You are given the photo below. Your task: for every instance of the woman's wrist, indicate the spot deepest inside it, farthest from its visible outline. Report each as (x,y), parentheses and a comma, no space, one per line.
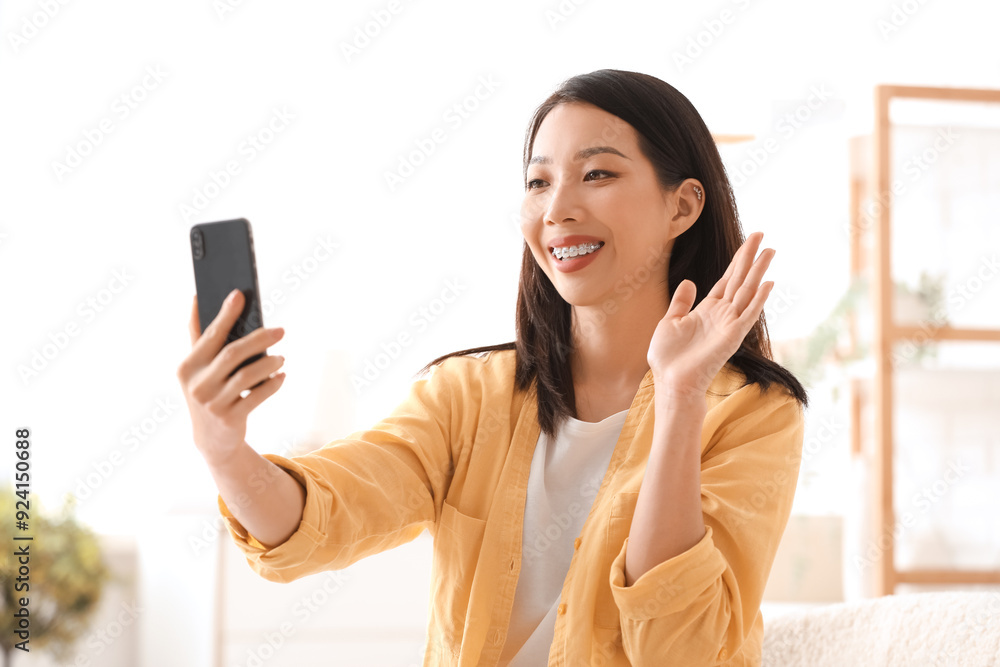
(670,391)
(221,461)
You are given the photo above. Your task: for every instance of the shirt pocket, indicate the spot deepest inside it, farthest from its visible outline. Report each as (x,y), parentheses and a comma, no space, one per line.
(457,544)
(619,522)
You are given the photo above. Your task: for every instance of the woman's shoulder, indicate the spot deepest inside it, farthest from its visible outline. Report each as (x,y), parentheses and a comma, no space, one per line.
(495,368)
(731,388)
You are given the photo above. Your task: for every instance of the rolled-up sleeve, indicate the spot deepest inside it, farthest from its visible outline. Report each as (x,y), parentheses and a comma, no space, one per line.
(371,491)
(700,607)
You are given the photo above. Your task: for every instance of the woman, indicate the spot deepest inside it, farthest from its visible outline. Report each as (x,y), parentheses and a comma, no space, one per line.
(608,489)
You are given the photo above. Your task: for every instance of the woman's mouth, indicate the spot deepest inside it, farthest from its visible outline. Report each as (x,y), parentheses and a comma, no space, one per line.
(575,257)
(567,253)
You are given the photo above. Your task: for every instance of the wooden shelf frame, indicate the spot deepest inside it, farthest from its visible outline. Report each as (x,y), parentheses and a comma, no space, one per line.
(887,333)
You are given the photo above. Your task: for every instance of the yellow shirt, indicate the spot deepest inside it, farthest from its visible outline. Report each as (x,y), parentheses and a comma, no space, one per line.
(454,458)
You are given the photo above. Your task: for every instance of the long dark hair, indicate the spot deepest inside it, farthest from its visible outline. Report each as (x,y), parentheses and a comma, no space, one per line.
(673,136)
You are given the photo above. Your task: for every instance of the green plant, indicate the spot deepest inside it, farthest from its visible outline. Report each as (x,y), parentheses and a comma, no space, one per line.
(930,290)
(830,344)
(67,574)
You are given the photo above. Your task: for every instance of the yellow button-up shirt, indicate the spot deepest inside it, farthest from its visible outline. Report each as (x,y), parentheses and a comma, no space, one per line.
(454,457)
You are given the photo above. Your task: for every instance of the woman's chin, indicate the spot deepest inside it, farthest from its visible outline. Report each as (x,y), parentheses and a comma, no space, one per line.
(582,298)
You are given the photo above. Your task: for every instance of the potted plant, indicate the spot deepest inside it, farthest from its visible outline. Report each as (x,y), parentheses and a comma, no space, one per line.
(66,576)
(831,344)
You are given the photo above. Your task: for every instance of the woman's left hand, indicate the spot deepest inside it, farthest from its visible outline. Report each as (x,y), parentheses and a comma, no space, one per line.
(689,348)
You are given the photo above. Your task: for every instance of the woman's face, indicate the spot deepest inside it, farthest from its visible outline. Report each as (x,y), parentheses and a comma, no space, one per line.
(592,194)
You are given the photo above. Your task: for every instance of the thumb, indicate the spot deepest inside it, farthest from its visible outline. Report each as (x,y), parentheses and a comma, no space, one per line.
(682,300)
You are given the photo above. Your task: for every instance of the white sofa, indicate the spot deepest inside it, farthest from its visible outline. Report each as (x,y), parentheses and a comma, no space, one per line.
(959,629)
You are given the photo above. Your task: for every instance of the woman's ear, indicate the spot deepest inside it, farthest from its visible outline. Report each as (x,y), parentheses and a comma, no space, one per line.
(689,201)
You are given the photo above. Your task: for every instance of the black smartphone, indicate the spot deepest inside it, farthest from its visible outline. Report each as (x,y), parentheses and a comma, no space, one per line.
(224,260)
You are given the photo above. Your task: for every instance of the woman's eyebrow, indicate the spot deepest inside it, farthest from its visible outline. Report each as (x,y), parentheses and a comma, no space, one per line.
(585,153)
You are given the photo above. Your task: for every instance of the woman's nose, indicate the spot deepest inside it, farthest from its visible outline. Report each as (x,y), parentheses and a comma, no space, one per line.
(562,205)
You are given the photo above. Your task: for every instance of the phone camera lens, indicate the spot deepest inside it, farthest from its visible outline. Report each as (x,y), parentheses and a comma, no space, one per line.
(197,244)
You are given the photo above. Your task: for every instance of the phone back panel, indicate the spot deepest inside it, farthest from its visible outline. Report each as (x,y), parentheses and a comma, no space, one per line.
(226,262)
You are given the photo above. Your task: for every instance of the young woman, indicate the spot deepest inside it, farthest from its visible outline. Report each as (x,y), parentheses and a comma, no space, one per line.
(608,489)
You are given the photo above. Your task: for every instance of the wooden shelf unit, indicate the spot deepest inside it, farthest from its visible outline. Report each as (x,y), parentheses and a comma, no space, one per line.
(871,253)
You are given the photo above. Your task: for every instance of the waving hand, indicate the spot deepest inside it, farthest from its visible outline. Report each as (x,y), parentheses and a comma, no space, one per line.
(688,347)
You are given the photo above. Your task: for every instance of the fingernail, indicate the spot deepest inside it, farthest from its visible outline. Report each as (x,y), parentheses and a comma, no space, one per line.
(232,296)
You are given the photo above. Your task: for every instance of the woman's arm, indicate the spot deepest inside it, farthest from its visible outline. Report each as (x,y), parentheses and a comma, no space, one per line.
(690,576)
(266,500)
(686,352)
(701,605)
(672,480)
(364,493)
(262,496)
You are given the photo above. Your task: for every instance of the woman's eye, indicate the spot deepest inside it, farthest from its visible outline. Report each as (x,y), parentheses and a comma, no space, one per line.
(592,175)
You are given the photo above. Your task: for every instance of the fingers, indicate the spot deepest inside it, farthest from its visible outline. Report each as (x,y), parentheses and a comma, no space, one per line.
(259,395)
(213,359)
(235,353)
(728,284)
(207,346)
(194,324)
(750,284)
(719,289)
(682,300)
(742,261)
(247,377)
(757,304)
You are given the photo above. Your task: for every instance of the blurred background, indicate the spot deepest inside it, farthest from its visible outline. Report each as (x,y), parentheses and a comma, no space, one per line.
(376,150)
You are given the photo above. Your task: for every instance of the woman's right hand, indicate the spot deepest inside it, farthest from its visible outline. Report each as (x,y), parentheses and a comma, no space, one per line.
(218,409)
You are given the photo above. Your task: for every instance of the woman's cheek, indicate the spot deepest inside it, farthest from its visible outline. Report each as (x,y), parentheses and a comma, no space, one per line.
(532,207)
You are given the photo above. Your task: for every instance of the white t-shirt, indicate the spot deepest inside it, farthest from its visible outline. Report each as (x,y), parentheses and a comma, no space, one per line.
(565,476)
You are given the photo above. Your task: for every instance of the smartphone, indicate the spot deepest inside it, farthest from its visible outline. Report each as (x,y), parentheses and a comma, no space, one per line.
(224,260)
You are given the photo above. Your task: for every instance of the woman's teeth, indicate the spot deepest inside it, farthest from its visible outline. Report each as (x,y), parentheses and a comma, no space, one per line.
(569,252)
